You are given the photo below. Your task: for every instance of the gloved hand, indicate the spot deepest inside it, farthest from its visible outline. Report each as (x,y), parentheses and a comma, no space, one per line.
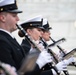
(61,54)
(39,45)
(70,60)
(43,59)
(36,42)
(61,66)
(8,68)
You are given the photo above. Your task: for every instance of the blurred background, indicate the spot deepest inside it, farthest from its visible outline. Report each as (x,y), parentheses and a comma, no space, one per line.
(61,15)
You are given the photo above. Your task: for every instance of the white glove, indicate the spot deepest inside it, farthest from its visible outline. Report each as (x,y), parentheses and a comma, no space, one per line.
(40,46)
(70,60)
(60,55)
(9,69)
(54,72)
(61,66)
(43,59)
(36,42)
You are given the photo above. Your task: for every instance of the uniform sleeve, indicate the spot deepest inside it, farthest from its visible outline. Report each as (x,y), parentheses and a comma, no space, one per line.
(36,71)
(26,45)
(47,72)
(5,53)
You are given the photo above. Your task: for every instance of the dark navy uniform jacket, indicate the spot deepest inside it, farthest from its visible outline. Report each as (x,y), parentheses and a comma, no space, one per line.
(12,53)
(27,46)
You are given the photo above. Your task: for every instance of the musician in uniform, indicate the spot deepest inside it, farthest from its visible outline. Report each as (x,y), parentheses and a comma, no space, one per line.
(46,37)
(10,51)
(33,28)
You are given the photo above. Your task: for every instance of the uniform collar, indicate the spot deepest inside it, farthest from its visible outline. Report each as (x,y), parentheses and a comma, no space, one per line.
(7,32)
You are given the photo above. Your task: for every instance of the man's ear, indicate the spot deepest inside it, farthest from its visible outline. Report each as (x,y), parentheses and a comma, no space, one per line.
(2,18)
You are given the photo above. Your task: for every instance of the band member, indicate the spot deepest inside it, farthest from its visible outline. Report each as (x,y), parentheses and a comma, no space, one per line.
(10,51)
(46,37)
(34,28)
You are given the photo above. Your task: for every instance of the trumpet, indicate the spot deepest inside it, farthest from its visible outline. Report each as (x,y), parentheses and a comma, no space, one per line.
(32,42)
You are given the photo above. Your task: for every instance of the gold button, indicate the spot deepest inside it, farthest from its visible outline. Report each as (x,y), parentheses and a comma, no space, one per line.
(30,24)
(1,9)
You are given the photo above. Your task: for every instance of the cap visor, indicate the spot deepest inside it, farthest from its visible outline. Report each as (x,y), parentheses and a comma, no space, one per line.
(41,28)
(15,11)
(49,28)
